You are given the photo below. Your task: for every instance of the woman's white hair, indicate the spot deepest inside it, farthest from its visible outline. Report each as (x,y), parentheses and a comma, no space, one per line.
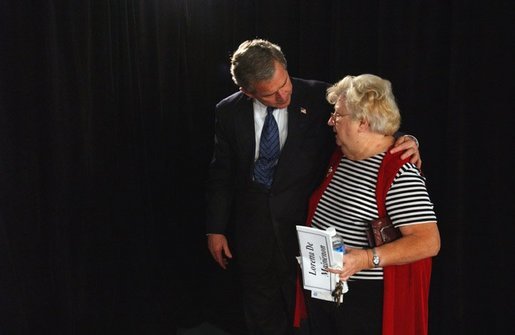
(368,97)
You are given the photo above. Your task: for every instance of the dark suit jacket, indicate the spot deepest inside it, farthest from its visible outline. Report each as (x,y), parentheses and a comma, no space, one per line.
(302,164)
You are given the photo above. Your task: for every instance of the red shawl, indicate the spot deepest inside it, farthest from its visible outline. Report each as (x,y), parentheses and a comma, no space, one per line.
(406,287)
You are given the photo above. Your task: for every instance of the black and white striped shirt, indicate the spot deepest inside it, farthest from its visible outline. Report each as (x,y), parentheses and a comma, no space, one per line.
(349,202)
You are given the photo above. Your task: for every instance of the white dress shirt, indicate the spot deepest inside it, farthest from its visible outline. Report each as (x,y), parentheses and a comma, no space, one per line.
(281,117)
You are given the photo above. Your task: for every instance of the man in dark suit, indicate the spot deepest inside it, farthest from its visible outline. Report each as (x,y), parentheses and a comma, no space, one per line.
(264,214)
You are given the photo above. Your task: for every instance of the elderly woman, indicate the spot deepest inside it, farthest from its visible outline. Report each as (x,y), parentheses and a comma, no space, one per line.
(388,285)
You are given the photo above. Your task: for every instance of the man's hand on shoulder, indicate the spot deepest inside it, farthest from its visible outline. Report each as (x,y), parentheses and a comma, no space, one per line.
(408,144)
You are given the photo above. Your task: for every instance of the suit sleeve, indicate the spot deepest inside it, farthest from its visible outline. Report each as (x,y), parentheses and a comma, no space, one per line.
(220,184)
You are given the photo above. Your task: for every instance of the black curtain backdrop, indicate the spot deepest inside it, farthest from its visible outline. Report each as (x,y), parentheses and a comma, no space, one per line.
(106,131)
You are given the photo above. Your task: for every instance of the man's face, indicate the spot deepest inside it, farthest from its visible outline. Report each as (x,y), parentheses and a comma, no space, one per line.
(275,92)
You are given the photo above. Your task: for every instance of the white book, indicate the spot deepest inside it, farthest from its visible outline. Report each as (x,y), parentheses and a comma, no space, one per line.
(316,255)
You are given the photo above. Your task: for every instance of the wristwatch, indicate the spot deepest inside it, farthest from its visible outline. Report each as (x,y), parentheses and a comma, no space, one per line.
(375,258)
(413,138)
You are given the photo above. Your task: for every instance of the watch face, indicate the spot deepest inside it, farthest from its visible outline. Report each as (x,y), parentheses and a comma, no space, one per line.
(375,260)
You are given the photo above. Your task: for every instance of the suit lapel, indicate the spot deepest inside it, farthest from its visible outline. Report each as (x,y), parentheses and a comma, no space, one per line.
(295,119)
(296,123)
(244,125)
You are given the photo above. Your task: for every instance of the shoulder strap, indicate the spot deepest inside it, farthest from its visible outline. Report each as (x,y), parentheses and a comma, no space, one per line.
(406,287)
(317,194)
(300,306)
(387,171)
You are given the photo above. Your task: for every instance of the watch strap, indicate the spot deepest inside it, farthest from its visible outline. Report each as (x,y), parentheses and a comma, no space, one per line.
(375,258)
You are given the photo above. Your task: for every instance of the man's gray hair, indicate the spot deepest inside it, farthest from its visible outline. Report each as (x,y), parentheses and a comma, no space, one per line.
(254,61)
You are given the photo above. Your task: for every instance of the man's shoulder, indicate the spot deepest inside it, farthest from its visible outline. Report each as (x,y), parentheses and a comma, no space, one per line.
(310,93)
(309,83)
(308,89)
(233,99)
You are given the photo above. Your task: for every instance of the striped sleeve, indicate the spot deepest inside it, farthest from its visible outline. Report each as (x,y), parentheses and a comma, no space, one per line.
(407,201)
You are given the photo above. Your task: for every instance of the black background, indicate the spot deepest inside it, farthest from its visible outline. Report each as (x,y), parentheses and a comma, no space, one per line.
(106,129)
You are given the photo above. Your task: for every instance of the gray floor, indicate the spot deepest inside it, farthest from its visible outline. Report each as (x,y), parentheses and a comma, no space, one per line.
(202,329)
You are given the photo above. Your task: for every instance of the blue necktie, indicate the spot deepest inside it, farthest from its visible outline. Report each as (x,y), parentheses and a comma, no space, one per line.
(269,149)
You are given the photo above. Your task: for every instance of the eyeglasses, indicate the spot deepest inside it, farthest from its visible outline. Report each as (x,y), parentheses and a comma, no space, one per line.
(335,116)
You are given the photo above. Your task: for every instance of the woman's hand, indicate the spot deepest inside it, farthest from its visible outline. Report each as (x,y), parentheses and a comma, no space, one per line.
(354,261)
